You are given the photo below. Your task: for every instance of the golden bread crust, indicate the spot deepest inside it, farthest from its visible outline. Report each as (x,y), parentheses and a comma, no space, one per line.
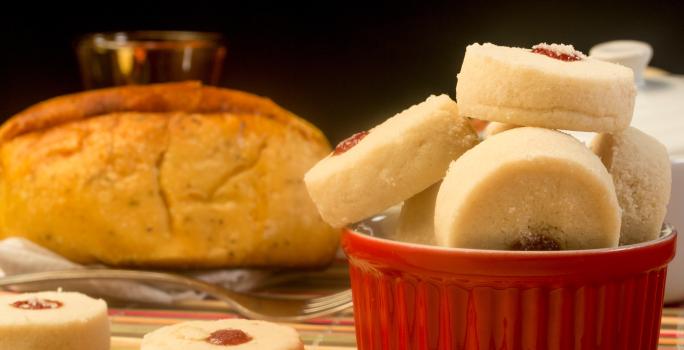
(189,97)
(219,184)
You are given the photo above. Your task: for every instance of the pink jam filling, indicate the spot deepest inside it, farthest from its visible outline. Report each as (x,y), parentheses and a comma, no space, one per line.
(228,337)
(560,52)
(37,304)
(350,142)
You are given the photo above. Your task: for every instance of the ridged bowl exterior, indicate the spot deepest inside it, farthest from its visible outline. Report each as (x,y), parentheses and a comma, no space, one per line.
(420,297)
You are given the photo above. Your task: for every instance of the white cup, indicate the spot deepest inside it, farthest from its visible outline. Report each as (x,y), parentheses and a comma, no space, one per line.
(630,53)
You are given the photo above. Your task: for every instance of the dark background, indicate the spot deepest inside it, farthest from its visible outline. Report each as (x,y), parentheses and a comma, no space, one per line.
(344,67)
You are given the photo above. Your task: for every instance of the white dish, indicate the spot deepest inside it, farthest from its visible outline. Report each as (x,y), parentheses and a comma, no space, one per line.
(674,290)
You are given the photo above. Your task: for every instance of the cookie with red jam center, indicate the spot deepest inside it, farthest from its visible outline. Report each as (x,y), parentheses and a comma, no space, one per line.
(53,320)
(373,170)
(550,85)
(229,334)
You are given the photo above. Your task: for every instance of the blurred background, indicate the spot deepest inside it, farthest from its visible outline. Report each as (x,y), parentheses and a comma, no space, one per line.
(345,66)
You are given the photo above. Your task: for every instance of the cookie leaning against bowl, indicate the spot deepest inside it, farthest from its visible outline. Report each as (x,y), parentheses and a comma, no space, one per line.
(53,320)
(371,171)
(640,168)
(550,86)
(528,189)
(416,224)
(236,334)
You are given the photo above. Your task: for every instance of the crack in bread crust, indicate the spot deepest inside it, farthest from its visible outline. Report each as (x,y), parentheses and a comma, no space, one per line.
(161,192)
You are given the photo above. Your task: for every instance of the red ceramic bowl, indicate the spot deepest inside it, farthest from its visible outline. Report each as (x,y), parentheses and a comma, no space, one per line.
(409,296)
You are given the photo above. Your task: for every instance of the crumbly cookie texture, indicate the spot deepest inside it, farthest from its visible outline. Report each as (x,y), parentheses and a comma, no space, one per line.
(237,334)
(559,50)
(528,189)
(640,168)
(544,89)
(53,320)
(394,161)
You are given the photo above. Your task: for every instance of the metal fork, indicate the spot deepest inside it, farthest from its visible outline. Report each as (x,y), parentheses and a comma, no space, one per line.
(251,306)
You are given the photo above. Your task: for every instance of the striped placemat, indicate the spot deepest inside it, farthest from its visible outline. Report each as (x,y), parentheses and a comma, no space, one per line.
(672,328)
(332,333)
(129,326)
(336,332)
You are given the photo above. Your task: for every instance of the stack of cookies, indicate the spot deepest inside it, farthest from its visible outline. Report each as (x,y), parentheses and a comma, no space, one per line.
(521,184)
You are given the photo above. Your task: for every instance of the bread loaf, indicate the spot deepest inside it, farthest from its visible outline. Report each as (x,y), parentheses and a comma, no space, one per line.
(168,175)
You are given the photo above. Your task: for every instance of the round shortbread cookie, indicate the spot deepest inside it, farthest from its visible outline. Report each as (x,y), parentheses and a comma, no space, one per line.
(395,160)
(235,334)
(642,177)
(53,320)
(528,189)
(416,220)
(517,86)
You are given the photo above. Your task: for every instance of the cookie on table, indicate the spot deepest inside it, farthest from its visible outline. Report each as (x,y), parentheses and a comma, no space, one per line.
(551,86)
(53,320)
(237,334)
(528,189)
(640,167)
(371,171)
